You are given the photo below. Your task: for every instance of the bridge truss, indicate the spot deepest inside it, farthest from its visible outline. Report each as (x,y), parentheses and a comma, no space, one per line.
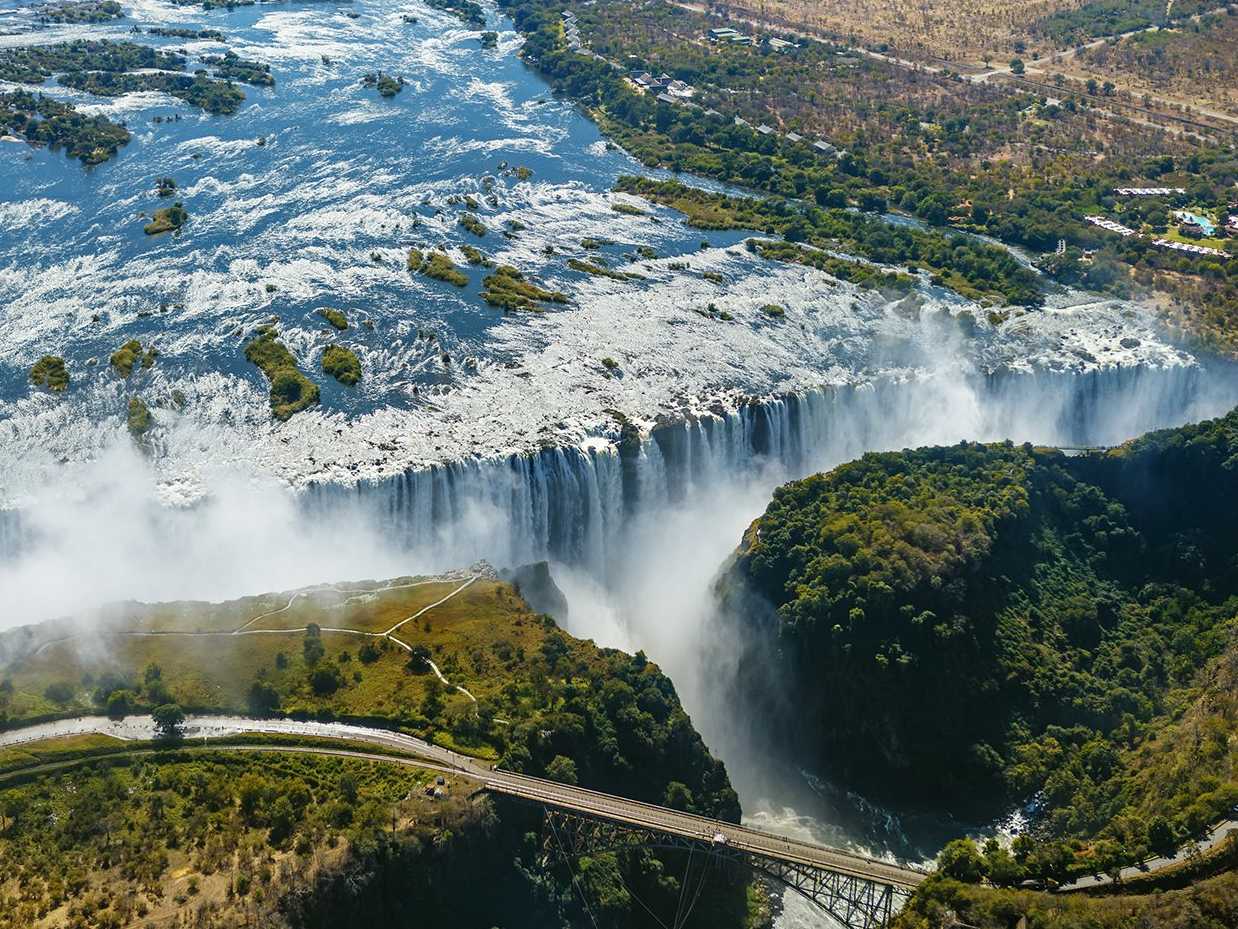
(855,902)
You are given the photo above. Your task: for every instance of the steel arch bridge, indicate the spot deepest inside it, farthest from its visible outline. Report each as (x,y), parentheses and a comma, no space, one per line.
(854,901)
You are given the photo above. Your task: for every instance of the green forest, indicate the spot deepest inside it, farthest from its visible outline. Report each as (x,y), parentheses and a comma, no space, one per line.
(1078,612)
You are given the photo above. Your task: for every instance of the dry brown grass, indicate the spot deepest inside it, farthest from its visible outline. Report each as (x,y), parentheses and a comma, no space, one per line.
(957,30)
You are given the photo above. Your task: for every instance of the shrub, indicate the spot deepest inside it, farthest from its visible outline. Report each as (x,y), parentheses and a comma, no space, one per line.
(50,374)
(342,364)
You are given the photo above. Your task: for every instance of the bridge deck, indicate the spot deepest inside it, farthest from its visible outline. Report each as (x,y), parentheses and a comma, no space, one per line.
(690,826)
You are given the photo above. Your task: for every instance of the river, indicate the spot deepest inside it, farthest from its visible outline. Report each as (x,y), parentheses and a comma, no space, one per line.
(472,433)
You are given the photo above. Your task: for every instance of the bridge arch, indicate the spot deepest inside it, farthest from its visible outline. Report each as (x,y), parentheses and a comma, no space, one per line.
(854,902)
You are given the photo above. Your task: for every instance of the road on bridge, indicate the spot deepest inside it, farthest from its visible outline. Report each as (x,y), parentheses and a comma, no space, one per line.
(537,790)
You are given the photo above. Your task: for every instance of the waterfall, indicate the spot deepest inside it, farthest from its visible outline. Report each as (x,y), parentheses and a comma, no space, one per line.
(572,504)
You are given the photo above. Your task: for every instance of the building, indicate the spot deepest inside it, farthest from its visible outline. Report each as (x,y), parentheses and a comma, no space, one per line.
(794,137)
(1192,230)
(780,45)
(824,147)
(1102,222)
(1148,191)
(721,35)
(765,130)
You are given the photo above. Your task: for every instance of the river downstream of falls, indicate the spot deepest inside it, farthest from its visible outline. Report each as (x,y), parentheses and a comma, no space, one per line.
(474,434)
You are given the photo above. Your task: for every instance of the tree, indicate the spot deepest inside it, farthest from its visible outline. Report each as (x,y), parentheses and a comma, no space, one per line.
(59,692)
(1000,865)
(562,769)
(312,648)
(679,797)
(1162,837)
(962,861)
(419,660)
(168,721)
(325,681)
(119,704)
(263,699)
(283,819)
(1016,66)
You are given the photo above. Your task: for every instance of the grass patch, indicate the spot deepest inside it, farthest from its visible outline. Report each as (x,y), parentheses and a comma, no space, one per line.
(167,219)
(596,270)
(508,288)
(129,355)
(50,374)
(342,364)
(438,266)
(138,420)
(627,209)
(291,391)
(474,225)
(335,317)
(476,256)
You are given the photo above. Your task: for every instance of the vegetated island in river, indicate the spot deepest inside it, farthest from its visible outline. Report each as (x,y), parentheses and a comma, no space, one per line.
(291,390)
(980,625)
(80,11)
(41,120)
(291,840)
(111,69)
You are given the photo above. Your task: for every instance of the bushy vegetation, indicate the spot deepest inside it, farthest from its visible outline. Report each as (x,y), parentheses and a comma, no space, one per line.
(972,267)
(138,420)
(108,69)
(130,354)
(438,266)
(335,317)
(219,97)
(291,391)
(44,121)
(472,13)
(476,256)
(232,67)
(50,374)
(80,11)
(33,64)
(385,84)
(342,364)
(167,219)
(474,225)
(508,288)
(989,623)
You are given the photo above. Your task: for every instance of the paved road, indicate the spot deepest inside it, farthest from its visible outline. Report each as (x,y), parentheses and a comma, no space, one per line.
(1218,834)
(551,793)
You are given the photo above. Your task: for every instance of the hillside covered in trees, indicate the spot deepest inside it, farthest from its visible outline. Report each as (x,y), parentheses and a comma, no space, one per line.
(992,624)
(122,834)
